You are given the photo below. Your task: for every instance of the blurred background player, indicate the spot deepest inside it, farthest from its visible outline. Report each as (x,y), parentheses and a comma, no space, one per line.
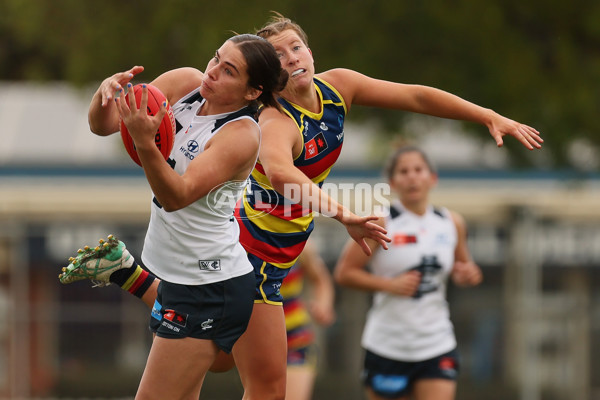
(300,305)
(410,347)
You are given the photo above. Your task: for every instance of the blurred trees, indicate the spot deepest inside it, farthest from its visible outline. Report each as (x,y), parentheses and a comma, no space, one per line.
(535,61)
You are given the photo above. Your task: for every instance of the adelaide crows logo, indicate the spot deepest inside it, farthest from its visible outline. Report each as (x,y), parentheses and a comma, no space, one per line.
(315,146)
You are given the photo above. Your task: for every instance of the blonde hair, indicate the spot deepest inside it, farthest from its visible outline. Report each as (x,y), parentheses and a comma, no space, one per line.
(277,24)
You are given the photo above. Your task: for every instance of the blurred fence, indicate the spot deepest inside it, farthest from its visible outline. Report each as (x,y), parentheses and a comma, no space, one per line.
(529,332)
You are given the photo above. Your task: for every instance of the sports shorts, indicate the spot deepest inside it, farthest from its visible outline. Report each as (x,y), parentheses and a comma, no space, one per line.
(390,378)
(218,311)
(268,281)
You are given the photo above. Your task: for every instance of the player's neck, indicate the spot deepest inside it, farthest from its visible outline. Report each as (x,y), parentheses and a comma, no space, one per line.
(417,207)
(307,99)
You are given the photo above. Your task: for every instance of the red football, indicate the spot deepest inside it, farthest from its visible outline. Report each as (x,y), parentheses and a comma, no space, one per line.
(165,135)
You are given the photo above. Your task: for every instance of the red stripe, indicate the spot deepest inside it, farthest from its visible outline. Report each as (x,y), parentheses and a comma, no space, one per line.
(289,212)
(291,305)
(316,169)
(258,166)
(138,282)
(267,252)
(300,340)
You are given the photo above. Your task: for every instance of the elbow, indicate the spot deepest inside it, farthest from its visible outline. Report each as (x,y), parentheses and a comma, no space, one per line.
(100,130)
(279,182)
(171,205)
(276,178)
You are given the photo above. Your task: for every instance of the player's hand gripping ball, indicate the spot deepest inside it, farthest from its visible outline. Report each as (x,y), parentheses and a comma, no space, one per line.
(165,135)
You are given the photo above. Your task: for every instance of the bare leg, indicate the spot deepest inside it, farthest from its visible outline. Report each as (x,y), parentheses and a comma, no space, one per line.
(169,376)
(434,389)
(261,354)
(300,382)
(372,396)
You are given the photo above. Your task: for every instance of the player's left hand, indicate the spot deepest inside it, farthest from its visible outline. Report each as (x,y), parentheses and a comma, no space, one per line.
(361,228)
(466,274)
(501,126)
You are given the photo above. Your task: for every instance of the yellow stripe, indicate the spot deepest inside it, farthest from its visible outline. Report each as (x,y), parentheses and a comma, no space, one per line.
(343,103)
(285,265)
(127,285)
(262,292)
(270,223)
(300,127)
(261,179)
(291,288)
(296,318)
(320,178)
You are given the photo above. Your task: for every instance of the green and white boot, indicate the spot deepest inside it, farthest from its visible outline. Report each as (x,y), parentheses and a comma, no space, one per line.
(97,264)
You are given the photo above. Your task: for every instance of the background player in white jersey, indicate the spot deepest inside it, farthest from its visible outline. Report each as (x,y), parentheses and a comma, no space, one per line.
(207,287)
(409,342)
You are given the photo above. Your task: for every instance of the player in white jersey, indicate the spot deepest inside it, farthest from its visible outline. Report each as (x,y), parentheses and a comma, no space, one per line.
(409,342)
(206,294)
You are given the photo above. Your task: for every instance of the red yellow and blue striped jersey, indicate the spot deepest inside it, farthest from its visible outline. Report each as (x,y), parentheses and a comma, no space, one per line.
(270,227)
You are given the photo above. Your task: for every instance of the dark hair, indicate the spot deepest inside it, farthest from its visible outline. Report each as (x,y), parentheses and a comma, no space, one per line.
(263,66)
(393,159)
(277,24)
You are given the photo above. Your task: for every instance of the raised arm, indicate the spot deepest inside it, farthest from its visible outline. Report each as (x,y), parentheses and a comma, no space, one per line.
(360,89)
(229,155)
(103,116)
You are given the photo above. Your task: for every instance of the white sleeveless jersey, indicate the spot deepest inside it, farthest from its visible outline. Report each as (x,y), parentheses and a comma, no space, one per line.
(413,328)
(198,244)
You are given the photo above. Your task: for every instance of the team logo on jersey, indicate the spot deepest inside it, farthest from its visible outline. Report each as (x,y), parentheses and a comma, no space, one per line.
(176,317)
(190,149)
(209,265)
(315,146)
(401,239)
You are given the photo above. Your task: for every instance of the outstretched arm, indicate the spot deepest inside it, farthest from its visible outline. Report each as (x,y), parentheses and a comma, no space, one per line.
(281,142)
(360,89)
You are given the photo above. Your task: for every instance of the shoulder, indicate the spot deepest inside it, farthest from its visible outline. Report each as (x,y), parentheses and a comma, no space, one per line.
(272,117)
(345,81)
(458,220)
(176,83)
(240,136)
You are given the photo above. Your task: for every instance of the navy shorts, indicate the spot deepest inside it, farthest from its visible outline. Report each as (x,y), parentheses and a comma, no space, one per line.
(218,311)
(268,281)
(390,378)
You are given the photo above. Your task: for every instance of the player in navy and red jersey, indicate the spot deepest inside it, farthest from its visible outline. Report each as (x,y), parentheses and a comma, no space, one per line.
(272,229)
(285,168)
